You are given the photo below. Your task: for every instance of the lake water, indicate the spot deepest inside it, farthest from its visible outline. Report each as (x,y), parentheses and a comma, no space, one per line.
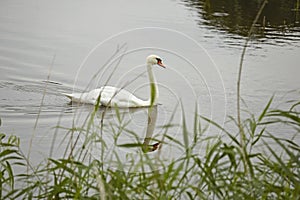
(51,47)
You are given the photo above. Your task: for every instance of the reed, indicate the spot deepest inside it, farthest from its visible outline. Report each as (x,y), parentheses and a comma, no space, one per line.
(213,174)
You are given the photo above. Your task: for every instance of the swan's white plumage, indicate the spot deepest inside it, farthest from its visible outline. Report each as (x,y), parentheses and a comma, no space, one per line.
(109,96)
(112,96)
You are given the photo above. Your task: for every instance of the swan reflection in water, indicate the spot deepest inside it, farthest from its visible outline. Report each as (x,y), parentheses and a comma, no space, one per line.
(149,144)
(152,116)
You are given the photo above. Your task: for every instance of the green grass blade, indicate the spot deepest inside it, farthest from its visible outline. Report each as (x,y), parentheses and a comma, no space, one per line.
(184,129)
(262,115)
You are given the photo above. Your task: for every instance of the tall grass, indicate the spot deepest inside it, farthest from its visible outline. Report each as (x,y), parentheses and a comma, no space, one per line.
(241,129)
(273,163)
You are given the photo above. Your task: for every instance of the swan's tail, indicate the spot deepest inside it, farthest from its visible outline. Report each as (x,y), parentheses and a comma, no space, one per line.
(75,97)
(80,98)
(70,96)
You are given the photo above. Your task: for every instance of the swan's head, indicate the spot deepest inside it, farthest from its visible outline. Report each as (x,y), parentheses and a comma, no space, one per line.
(155,60)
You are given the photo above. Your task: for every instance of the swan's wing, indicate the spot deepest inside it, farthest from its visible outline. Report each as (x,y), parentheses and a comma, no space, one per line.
(112,96)
(109,96)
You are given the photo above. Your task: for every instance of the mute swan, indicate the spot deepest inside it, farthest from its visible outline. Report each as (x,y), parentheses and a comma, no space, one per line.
(112,96)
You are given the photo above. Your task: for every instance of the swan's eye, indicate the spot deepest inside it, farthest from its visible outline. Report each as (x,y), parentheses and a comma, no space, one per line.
(159,60)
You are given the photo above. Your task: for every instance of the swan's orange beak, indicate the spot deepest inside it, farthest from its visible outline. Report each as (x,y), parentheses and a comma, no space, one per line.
(160,64)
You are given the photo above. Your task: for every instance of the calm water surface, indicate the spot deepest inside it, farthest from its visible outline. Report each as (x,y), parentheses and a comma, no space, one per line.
(50,47)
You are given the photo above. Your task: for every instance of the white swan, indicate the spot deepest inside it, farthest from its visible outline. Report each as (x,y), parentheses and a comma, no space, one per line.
(112,96)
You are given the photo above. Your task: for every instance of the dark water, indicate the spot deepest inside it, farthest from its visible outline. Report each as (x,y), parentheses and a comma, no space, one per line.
(50,47)
(279,20)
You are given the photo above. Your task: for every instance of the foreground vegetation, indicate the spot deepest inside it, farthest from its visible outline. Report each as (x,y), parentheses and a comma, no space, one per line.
(271,171)
(258,160)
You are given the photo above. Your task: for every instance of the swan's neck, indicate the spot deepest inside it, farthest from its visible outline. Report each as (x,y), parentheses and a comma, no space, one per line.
(153,86)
